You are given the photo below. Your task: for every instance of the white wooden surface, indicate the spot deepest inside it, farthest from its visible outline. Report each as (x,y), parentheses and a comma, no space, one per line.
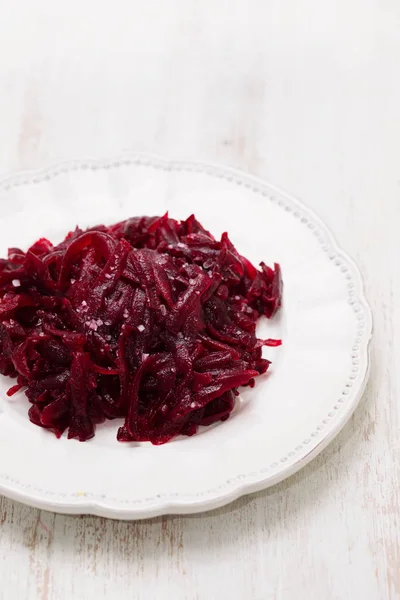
(306,94)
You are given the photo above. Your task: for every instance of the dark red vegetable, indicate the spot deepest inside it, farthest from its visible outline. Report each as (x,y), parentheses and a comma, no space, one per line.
(150,319)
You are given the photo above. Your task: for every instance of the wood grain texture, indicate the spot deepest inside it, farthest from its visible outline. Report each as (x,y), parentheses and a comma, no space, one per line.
(306,95)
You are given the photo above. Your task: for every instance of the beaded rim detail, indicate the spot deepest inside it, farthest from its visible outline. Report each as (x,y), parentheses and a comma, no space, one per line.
(231,489)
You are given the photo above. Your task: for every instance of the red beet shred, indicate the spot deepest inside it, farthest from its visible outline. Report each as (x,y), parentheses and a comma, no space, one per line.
(151,319)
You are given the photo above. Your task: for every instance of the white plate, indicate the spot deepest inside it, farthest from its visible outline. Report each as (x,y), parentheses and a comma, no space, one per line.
(314,385)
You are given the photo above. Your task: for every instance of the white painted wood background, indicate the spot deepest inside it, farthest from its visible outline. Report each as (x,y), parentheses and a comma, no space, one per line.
(305,93)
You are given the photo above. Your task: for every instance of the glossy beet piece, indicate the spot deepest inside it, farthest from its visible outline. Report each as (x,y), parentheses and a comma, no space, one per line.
(150,319)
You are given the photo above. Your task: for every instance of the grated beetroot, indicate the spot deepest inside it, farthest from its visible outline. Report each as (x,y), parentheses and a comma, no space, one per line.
(150,319)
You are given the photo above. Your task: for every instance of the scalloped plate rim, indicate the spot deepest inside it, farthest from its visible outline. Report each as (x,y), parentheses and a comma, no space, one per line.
(253,482)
